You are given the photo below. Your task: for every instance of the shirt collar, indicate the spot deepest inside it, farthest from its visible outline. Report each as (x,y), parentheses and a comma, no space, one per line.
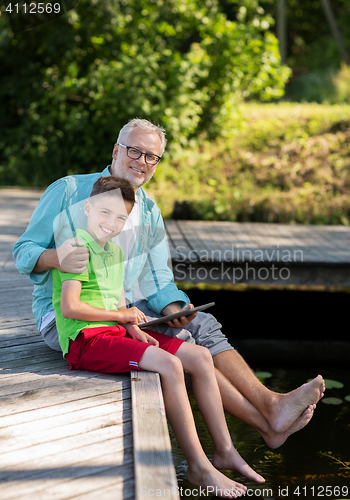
(87,238)
(106,171)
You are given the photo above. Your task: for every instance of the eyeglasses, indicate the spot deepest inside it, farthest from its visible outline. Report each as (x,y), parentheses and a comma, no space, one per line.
(135,154)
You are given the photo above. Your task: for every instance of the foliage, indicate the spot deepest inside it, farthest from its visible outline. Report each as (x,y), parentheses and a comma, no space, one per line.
(313,86)
(310,41)
(69,85)
(324,85)
(287,164)
(342,85)
(312,51)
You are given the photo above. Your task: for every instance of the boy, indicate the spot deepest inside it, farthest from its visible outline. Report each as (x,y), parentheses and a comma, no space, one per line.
(97,332)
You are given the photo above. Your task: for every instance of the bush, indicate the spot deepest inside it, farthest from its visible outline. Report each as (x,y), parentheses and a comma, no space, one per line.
(69,85)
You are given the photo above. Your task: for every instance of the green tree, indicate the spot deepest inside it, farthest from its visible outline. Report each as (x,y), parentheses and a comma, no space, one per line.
(68,85)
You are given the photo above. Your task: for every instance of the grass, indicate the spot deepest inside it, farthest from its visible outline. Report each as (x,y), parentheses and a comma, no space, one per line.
(281,162)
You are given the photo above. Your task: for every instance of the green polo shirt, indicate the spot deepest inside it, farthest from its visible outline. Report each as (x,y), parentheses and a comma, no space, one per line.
(102,284)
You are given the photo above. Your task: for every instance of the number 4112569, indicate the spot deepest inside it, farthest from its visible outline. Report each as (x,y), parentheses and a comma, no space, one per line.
(33,8)
(322,491)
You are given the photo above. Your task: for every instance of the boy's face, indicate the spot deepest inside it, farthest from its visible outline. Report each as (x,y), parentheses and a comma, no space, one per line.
(107,214)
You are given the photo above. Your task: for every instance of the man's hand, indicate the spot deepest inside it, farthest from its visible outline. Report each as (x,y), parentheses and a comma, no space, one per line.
(72,256)
(137,334)
(181,322)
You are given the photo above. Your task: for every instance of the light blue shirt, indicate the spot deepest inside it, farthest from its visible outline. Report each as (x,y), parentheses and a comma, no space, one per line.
(57,216)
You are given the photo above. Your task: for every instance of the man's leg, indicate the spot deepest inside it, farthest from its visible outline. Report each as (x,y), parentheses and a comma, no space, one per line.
(280,410)
(237,405)
(243,395)
(50,335)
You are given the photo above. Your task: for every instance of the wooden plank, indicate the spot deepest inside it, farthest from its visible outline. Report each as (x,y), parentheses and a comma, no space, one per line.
(37,365)
(27,351)
(123,490)
(63,408)
(53,376)
(215,234)
(64,463)
(312,244)
(26,435)
(41,452)
(53,394)
(154,468)
(179,244)
(17,340)
(194,244)
(63,483)
(302,239)
(20,326)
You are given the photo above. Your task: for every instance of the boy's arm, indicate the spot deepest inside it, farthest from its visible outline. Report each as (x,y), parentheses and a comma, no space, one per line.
(137,334)
(122,303)
(73,308)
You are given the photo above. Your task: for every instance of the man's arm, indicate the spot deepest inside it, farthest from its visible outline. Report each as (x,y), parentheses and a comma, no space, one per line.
(46,261)
(39,235)
(35,251)
(175,307)
(71,257)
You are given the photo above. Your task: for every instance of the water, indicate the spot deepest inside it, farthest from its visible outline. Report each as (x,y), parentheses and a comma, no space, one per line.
(308,465)
(308,462)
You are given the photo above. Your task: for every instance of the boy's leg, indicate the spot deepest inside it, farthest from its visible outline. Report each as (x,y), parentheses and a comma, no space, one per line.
(200,471)
(198,361)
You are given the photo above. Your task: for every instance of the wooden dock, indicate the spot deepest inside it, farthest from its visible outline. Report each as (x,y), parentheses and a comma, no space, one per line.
(64,434)
(259,253)
(84,435)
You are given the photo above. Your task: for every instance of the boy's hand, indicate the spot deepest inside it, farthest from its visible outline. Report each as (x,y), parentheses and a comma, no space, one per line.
(72,256)
(137,334)
(132,315)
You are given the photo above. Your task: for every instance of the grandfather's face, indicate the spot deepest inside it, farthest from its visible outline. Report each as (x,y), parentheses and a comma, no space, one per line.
(137,172)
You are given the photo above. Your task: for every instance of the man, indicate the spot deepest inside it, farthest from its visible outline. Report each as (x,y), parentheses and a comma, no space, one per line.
(136,155)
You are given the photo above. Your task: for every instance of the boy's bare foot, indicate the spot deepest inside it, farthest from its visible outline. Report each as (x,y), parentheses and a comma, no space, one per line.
(232,460)
(289,407)
(215,483)
(274,439)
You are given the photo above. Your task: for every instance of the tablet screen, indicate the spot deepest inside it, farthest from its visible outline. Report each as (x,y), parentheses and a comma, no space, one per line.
(170,317)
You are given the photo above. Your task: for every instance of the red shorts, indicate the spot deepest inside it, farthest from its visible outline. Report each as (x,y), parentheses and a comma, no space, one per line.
(109,349)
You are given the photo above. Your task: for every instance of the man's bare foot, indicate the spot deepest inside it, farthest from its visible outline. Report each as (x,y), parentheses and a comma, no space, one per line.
(232,460)
(289,407)
(274,439)
(215,483)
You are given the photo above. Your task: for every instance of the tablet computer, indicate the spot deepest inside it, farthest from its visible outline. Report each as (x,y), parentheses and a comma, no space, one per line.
(170,317)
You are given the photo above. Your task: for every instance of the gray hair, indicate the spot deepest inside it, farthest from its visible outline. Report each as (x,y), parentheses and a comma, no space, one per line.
(144,125)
